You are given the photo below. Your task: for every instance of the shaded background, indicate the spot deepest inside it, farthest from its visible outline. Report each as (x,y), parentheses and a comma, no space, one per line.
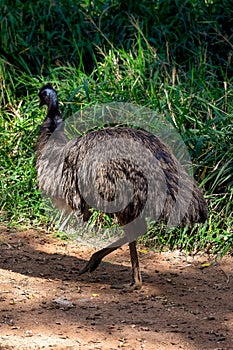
(51,33)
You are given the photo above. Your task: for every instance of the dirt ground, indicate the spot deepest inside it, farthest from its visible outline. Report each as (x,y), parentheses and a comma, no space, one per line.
(185,303)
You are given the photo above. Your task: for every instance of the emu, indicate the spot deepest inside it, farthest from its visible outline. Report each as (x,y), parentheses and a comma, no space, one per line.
(58,164)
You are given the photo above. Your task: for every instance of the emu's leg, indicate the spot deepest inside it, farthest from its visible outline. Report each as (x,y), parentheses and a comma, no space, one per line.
(133,230)
(96,258)
(131,234)
(137,279)
(136,275)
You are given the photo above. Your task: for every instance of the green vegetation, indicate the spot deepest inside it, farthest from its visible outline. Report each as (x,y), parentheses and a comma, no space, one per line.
(174,57)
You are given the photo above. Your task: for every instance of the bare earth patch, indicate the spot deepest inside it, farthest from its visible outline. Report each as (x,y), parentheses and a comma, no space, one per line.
(185,302)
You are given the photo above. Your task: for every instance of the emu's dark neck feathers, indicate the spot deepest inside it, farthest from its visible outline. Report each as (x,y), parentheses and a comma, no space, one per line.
(53,118)
(50,124)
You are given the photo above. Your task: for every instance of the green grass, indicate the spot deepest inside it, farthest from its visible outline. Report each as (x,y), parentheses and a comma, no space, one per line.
(174,57)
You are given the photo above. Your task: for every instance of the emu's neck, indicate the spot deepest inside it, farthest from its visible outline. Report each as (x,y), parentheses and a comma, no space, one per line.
(53,118)
(50,124)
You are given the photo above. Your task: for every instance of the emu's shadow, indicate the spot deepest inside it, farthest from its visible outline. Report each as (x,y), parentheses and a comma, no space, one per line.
(23,257)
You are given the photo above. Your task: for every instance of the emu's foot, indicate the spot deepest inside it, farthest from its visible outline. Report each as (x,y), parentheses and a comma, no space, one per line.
(133,286)
(128,288)
(92,264)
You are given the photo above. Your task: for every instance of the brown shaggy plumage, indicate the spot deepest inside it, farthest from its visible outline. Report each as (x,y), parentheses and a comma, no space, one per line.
(63,175)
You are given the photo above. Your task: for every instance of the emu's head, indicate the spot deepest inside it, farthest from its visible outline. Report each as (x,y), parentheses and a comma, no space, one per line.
(48,96)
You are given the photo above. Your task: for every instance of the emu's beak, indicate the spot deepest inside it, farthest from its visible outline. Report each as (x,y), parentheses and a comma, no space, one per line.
(42,103)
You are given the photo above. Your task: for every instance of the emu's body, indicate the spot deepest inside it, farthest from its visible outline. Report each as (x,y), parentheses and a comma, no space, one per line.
(59,161)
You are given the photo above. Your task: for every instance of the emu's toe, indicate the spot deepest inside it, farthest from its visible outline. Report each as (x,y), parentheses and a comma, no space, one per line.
(92,264)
